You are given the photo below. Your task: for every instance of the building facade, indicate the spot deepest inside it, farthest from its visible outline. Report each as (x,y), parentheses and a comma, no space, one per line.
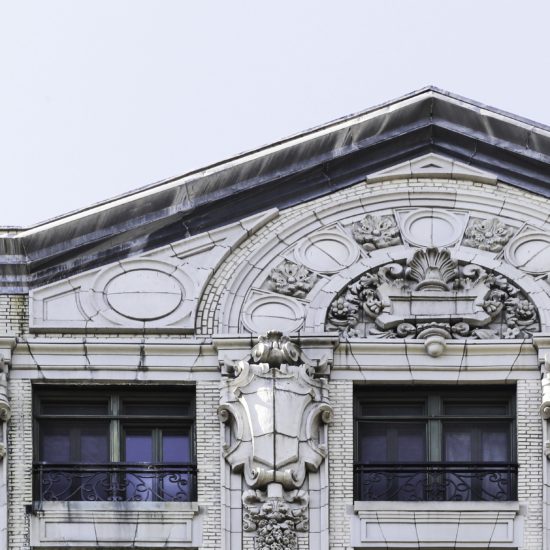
(340,341)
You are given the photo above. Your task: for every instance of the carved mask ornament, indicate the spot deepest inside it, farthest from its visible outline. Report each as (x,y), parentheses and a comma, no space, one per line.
(275,411)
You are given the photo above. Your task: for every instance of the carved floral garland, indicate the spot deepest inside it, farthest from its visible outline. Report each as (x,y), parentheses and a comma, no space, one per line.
(504,312)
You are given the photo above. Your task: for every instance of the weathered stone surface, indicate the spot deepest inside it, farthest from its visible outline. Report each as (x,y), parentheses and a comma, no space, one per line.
(433,295)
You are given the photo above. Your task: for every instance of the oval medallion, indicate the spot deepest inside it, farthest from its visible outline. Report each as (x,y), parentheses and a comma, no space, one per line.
(144,294)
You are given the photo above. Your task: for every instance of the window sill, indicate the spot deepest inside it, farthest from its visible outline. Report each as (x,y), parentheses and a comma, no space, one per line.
(436,506)
(438,525)
(94,524)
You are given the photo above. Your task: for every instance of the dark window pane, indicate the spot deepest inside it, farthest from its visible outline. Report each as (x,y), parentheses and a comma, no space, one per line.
(55,442)
(495,443)
(457,442)
(156,409)
(392,442)
(476,409)
(94,442)
(392,409)
(75,408)
(63,441)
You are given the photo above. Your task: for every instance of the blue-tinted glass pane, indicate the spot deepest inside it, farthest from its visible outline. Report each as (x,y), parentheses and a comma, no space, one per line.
(138,446)
(176,447)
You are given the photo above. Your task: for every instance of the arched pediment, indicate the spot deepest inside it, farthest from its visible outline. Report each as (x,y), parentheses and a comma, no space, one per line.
(293,272)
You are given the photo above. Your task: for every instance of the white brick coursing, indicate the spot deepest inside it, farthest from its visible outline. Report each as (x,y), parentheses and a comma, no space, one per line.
(20,464)
(529,445)
(340,444)
(208,444)
(14,314)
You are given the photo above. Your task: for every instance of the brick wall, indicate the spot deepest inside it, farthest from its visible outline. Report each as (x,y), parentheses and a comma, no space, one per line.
(20,463)
(340,445)
(529,440)
(208,461)
(14,314)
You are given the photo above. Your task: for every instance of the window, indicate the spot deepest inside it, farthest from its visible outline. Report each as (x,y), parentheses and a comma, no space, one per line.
(114,444)
(435,443)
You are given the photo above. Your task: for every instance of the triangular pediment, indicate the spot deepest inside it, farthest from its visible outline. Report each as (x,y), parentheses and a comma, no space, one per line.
(429,133)
(432,165)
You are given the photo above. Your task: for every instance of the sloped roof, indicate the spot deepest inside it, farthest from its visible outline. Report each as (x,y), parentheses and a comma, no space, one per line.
(296,169)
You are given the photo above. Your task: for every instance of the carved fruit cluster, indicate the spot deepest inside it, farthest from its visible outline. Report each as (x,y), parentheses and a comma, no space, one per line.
(275,520)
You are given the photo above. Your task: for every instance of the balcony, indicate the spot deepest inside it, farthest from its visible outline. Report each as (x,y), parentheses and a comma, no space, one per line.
(429,481)
(115,482)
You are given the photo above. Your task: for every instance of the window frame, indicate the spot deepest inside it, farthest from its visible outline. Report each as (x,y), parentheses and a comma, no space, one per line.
(115,396)
(434,398)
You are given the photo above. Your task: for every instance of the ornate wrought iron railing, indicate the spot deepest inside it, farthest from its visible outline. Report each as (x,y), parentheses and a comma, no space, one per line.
(115,482)
(436,481)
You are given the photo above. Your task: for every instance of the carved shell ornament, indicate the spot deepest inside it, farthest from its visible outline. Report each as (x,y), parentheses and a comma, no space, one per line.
(490,235)
(432,295)
(374,232)
(291,279)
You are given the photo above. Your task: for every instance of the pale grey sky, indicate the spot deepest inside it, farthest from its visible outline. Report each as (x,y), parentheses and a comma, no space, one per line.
(101,97)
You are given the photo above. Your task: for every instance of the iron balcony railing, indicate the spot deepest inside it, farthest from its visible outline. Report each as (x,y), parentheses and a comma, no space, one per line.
(115,481)
(436,481)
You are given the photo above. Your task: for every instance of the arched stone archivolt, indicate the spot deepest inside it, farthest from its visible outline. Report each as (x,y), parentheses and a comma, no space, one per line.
(302,259)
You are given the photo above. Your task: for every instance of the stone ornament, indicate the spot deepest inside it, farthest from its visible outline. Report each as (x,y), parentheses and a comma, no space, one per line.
(374,232)
(530,252)
(430,227)
(434,298)
(275,413)
(490,235)
(277,518)
(291,279)
(327,251)
(5,409)
(545,381)
(263,309)
(143,292)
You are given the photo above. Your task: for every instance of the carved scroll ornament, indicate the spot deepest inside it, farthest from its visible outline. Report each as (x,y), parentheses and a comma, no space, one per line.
(275,412)
(431,294)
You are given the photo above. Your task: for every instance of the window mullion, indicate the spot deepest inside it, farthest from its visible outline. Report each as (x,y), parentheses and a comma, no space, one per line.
(115,429)
(434,429)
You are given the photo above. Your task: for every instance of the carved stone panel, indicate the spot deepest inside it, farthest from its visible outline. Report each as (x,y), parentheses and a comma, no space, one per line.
(374,232)
(490,235)
(291,279)
(431,227)
(274,410)
(327,251)
(431,294)
(530,252)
